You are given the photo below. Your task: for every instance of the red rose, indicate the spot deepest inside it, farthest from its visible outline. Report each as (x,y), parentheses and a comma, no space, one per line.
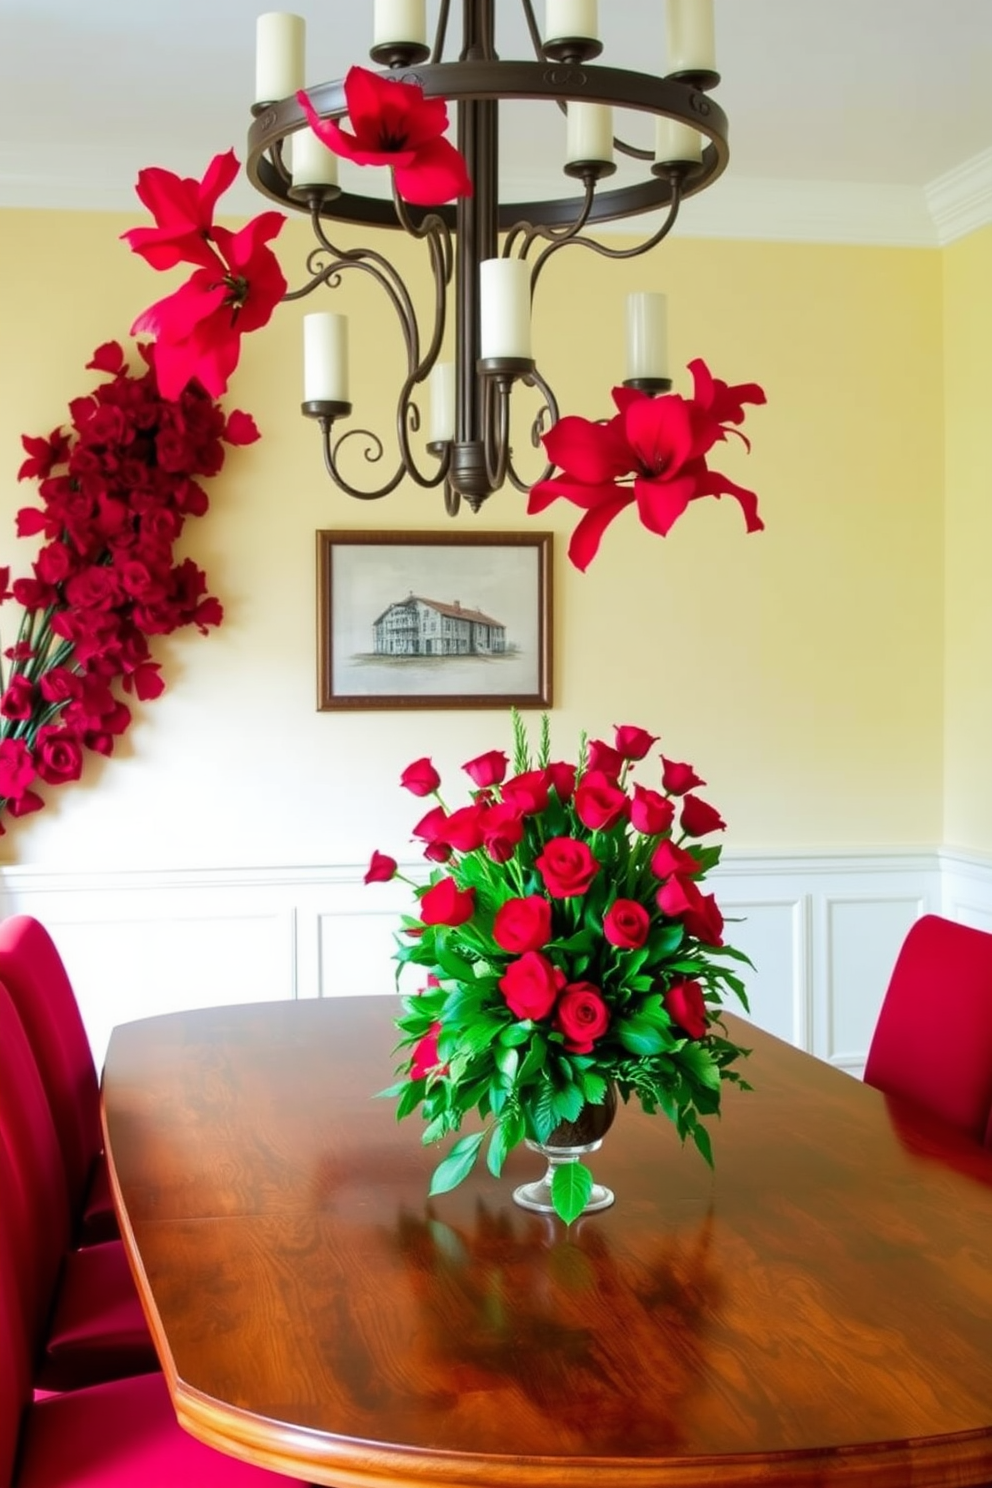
(667,859)
(420,778)
(626,924)
(582,1016)
(523,924)
(606,759)
(502,829)
(650,812)
(425,1055)
(447,904)
(430,828)
(527,792)
(633,743)
(58,755)
(567,867)
(16,768)
(487,769)
(561,776)
(685,1006)
(678,778)
(463,829)
(18,700)
(598,801)
(381,869)
(681,900)
(531,985)
(699,817)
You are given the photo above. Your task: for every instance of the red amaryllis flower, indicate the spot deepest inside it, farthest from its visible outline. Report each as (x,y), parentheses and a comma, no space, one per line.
(198,329)
(653,452)
(420,778)
(699,817)
(43,455)
(184,214)
(396,125)
(381,868)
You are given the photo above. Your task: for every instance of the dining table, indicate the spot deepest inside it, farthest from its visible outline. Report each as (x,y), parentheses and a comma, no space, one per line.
(816,1309)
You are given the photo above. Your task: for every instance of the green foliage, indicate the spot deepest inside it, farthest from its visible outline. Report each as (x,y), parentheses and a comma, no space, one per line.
(521,1077)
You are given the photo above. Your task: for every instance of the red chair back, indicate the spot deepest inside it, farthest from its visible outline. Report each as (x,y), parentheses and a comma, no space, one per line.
(32,971)
(15,1338)
(35,1208)
(933,1040)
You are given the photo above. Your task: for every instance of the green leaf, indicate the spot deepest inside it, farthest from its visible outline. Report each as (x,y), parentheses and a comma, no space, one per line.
(701,1137)
(641,1036)
(506,1134)
(410,1099)
(457,1165)
(515,1033)
(534,1060)
(570,1190)
(507,1062)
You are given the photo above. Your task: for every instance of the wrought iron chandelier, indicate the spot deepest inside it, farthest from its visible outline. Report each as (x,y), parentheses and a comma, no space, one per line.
(493,250)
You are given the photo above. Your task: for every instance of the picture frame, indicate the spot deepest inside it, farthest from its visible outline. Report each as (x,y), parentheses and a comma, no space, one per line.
(434,620)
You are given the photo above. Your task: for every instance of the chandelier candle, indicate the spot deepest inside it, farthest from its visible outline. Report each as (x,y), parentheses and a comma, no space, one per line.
(567,19)
(590,133)
(647,339)
(399,21)
(312,163)
(280,55)
(325,357)
(505,305)
(691,40)
(676,143)
(441,389)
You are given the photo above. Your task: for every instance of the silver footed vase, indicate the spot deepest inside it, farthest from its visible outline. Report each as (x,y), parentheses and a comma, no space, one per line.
(570,1142)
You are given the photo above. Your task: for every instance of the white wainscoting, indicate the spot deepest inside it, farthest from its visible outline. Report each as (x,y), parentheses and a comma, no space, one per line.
(822,929)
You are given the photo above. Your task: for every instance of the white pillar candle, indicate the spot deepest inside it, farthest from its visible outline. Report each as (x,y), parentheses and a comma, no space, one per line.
(441,391)
(675,141)
(647,335)
(311,163)
(504,301)
(280,55)
(325,357)
(590,131)
(400,20)
(691,40)
(569,18)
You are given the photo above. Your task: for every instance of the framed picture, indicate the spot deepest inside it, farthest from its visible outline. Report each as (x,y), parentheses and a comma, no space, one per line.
(433,620)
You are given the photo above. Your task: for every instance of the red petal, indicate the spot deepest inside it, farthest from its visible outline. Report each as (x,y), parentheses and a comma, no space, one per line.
(388,114)
(584,544)
(587,451)
(580,494)
(715,484)
(240,428)
(437,174)
(660,503)
(659,431)
(107,358)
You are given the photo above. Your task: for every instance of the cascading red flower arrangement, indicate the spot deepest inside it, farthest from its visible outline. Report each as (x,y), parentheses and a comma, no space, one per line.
(653,452)
(116,490)
(568,947)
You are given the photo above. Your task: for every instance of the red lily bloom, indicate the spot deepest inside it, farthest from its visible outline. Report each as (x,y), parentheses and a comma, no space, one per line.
(198,329)
(184,214)
(652,452)
(396,125)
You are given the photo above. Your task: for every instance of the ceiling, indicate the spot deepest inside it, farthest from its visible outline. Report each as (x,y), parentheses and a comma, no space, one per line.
(858,120)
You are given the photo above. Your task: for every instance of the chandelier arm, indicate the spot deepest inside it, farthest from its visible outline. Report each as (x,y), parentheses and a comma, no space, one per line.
(496,423)
(331,465)
(441,32)
(532,27)
(549,408)
(529,233)
(614,253)
(407,410)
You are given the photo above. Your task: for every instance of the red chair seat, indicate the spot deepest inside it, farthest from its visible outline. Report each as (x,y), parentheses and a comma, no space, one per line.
(96,1342)
(99,1218)
(933,1040)
(124,1435)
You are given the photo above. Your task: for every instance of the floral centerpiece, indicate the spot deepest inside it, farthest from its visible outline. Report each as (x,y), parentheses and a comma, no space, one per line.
(569,950)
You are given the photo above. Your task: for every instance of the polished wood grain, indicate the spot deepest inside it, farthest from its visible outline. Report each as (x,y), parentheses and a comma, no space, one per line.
(819,1311)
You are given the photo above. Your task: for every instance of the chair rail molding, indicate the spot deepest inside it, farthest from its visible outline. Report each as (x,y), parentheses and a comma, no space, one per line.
(822,928)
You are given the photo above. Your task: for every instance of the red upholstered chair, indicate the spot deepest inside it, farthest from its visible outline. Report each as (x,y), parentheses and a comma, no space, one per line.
(81,1306)
(933,1040)
(118,1435)
(32,971)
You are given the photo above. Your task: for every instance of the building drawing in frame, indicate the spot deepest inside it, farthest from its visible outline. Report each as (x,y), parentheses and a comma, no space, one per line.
(433,619)
(426,627)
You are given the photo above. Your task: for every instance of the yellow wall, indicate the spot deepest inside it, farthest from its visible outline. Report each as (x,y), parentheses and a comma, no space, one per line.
(801,668)
(967,410)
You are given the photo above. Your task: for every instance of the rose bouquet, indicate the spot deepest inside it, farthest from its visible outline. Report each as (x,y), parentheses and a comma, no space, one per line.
(568,950)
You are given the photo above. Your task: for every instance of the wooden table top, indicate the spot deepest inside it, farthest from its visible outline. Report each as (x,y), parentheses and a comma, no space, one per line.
(819,1310)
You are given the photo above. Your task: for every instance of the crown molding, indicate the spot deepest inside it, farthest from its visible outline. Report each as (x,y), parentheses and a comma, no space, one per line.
(960,201)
